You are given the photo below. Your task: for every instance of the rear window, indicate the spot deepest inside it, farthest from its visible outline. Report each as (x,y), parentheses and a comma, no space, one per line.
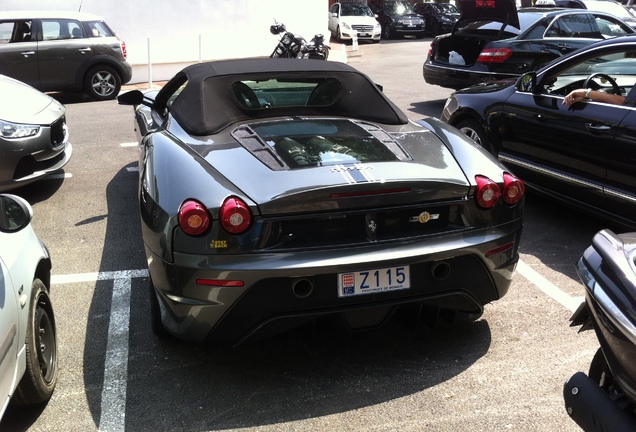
(275,93)
(98,29)
(311,143)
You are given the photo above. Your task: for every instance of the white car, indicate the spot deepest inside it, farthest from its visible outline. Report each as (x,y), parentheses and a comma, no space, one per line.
(349,18)
(28,342)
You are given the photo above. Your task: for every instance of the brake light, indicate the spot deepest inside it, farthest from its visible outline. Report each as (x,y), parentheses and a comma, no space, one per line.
(487,193)
(494,55)
(513,190)
(193,218)
(235,216)
(124,51)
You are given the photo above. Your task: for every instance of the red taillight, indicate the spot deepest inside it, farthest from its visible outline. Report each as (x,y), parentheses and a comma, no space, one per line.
(123,49)
(193,218)
(235,216)
(513,190)
(494,55)
(487,193)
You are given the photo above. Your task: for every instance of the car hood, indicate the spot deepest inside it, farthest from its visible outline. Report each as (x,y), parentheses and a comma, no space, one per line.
(414,166)
(504,11)
(29,105)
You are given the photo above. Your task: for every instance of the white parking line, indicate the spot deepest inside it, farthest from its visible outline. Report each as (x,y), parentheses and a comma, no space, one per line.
(130,144)
(548,287)
(113,408)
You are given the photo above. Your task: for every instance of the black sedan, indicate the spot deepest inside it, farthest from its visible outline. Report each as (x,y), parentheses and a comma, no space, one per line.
(482,49)
(584,154)
(278,193)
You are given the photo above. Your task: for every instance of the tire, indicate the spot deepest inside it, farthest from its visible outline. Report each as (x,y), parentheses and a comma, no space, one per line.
(475,131)
(102,83)
(40,377)
(386,32)
(155,315)
(599,371)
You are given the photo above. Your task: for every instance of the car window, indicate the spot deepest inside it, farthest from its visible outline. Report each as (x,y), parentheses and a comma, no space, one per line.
(398,7)
(59,29)
(610,27)
(573,26)
(355,9)
(98,29)
(15,31)
(619,66)
(282,93)
(334,8)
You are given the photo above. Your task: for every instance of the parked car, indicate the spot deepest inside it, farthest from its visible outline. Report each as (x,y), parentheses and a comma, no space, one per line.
(583,155)
(608,6)
(28,353)
(349,17)
(397,18)
(34,138)
(483,54)
(306,195)
(63,51)
(439,17)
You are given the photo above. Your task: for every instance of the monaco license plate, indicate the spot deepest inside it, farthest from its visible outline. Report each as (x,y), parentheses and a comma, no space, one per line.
(373,281)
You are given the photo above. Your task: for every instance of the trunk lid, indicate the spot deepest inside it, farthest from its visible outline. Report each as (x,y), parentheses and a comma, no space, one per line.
(503,11)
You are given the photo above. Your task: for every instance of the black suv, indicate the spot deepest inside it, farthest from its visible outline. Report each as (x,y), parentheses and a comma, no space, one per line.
(398,18)
(63,51)
(439,17)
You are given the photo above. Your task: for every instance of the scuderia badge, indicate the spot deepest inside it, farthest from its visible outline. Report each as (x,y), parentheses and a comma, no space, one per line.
(424,217)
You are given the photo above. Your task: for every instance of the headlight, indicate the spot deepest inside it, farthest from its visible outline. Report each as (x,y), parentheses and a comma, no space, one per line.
(399,22)
(377,26)
(345,25)
(15,130)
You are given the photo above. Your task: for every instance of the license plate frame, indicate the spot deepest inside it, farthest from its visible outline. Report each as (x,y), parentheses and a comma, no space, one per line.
(373,281)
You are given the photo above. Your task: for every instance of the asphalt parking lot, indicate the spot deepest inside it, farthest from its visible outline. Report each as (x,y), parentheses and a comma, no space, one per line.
(503,372)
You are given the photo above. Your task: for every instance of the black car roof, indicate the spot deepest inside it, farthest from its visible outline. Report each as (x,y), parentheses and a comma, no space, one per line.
(207,104)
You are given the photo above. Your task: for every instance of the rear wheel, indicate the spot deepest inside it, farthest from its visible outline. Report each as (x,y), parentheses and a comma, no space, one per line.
(102,83)
(40,377)
(599,370)
(473,130)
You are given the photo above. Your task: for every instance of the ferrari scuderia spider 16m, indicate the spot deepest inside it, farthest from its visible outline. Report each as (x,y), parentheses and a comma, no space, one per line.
(277,193)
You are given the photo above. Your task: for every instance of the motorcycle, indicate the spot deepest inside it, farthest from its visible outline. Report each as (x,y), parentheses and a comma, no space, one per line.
(605,398)
(292,45)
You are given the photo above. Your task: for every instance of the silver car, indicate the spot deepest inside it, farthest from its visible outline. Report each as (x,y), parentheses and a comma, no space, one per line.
(34,138)
(28,343)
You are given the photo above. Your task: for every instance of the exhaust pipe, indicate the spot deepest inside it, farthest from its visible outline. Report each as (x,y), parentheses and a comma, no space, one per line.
(591,407)
(441,270)
(302,287)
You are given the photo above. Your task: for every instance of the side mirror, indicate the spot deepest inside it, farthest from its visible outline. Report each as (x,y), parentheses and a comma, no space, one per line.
(527,82)
(15,213)
(132,97)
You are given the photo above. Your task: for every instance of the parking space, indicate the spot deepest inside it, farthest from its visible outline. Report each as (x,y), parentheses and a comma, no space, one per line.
(503,372)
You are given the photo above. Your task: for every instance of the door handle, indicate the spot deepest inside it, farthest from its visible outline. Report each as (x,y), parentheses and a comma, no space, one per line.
(597,128)
(84,50)
(27,53)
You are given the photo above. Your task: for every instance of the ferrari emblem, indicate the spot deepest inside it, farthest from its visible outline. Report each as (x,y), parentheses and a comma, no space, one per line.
(424,217)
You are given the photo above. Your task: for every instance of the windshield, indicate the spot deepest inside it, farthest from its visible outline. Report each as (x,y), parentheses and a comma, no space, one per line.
(447,8)
(398,7)
(353,9)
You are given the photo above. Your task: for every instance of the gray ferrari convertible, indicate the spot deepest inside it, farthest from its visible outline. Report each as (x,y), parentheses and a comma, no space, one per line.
(281,193)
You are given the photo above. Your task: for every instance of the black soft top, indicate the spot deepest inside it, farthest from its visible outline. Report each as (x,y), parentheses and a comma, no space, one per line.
(207,104)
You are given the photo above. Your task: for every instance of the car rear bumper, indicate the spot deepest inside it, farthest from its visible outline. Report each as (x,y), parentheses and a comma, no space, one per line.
(284,290)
